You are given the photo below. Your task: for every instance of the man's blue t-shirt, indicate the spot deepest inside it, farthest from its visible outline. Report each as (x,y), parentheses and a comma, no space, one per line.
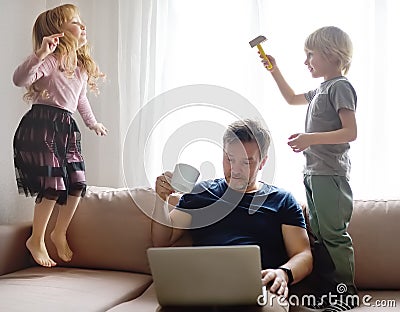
(223,216)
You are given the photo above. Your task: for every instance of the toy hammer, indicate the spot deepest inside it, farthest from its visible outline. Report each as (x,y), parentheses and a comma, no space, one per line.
(257,42)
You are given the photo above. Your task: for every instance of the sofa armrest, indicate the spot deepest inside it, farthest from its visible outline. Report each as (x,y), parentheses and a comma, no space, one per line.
(14,255)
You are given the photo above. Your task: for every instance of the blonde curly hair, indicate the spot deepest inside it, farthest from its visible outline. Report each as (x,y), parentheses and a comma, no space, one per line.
(69,56)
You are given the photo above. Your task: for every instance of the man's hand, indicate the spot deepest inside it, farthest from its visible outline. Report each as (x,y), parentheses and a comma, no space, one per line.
(163,187)
(277,281)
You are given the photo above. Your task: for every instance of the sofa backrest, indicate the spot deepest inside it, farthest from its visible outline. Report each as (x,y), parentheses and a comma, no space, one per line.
(375,231)
(110,230)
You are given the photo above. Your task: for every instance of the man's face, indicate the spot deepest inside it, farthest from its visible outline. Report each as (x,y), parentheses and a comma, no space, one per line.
(241,163)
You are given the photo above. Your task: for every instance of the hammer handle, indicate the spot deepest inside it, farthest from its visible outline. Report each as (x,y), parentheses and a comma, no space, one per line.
(269,66)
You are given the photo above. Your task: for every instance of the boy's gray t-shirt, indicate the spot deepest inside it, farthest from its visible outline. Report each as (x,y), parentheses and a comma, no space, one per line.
(323,116)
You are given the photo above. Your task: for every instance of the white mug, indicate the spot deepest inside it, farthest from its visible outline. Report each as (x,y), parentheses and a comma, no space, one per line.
(184,177)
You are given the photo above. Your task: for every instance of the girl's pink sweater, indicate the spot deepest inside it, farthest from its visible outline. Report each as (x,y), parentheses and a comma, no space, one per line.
(64,92)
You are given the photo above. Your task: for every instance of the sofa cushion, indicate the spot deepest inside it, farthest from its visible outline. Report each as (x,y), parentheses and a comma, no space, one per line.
(68,289)
(148,303)
(13,253)
(109,230)
(374,228)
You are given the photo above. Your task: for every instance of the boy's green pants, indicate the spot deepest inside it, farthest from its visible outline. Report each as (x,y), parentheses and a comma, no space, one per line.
(330,202)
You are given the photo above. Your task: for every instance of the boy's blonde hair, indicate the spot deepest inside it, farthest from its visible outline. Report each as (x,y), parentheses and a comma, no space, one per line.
(334,43)
(50,22)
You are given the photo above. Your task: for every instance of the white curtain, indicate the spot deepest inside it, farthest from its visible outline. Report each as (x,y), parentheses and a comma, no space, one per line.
(185,70)
(123,39)
(206,43)
(178,71)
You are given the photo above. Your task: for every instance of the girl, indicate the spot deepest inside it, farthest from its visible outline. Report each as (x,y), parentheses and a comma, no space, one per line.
(47,152)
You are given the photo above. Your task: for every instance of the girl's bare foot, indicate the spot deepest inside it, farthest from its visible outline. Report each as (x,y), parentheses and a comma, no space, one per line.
(39,253)
(63,250)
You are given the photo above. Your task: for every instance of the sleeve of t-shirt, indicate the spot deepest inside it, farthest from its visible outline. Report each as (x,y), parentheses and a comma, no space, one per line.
(192,200)
(343,95)
(292,213)
(185,203)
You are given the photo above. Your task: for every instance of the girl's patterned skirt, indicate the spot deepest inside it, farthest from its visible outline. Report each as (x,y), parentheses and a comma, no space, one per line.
(47,155)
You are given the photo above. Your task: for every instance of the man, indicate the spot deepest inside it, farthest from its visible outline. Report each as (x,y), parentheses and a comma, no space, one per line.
(239,210)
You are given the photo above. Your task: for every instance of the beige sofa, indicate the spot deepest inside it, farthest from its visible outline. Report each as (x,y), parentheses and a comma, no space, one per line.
(110,234)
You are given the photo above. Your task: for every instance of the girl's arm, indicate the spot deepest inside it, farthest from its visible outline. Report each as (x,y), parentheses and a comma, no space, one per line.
(84,108)
(38,64)
(32,69)
(86,112)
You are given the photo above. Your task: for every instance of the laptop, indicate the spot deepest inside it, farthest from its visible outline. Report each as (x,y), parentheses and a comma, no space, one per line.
(210,275)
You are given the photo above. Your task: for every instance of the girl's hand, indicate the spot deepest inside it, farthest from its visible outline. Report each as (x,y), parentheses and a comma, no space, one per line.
(99,129)
(49,45)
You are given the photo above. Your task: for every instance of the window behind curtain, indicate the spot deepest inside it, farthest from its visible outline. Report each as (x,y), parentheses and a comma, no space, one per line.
(206,42)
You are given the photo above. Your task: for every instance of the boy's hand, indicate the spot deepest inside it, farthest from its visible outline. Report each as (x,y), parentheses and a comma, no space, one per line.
(99,129)
(49,45)
(299,141)
(265,62)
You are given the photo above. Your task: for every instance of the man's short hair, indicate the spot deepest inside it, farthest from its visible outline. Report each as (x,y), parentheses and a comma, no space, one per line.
(248,130)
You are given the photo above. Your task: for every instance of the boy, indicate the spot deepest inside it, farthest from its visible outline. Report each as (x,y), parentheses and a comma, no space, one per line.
(330,126)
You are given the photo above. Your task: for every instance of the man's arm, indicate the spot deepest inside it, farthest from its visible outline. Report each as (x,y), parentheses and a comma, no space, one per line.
(298,249)
(300,260)
(167,223)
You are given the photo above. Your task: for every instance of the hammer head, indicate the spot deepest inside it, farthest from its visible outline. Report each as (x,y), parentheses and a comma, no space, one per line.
(257,40)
